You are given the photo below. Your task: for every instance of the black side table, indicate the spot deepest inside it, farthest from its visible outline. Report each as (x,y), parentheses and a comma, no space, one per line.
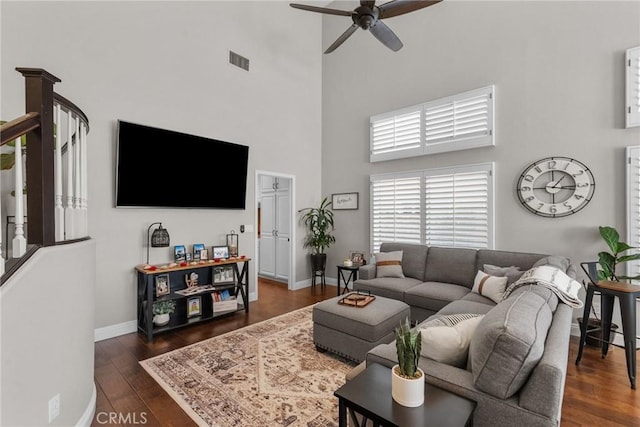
(353,276)
(369,395)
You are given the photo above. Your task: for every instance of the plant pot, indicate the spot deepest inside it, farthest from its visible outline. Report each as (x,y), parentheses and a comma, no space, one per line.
(318,262)
(161,319)
(594,331)
(407,392)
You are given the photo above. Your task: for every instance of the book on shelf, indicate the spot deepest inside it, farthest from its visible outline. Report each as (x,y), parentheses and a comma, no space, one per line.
(225,294)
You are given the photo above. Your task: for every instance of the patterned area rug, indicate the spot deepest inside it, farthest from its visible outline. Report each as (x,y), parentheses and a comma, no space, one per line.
(266,374)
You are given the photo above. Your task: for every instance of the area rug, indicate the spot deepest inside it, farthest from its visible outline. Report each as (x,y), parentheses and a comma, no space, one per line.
(266,374)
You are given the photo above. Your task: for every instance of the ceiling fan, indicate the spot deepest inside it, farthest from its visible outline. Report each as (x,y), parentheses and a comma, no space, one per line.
(368,16)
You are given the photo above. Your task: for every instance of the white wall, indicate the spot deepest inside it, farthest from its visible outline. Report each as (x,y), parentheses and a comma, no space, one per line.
(165,64)
(46,338)
(558,68)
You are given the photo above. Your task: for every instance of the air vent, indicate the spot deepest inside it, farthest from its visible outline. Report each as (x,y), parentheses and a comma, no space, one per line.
(238,60)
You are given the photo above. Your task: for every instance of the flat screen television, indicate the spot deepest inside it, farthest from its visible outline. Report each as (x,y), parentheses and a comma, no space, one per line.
(166,169)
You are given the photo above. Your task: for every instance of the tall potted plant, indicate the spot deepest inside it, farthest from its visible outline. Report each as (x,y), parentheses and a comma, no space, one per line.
(610,260)
(407,379)
(319,224)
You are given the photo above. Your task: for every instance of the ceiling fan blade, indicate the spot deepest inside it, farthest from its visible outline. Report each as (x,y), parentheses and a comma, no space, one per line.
(321,9)
(383,33)
(400,7)
(342,38)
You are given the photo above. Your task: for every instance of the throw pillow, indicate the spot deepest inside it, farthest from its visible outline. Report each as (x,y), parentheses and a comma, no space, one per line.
(512,273)
(488,286)
(447,338)
(389,264)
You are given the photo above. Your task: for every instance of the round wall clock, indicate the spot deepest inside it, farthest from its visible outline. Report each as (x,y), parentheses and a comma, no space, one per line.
(555,187)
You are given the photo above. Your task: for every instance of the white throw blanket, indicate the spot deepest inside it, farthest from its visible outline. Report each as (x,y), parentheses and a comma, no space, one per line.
(552,278)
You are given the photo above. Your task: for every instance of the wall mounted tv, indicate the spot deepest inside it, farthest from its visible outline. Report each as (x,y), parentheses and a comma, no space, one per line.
(166,169)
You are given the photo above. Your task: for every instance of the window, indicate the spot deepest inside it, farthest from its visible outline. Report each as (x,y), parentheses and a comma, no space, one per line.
(633,87)
(633,205)
(453,123)
(451,207)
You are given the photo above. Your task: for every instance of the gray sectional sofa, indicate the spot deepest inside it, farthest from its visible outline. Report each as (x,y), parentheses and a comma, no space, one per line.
(517,358)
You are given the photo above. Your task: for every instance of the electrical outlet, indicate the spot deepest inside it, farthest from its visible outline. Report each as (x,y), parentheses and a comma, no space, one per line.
(54,407)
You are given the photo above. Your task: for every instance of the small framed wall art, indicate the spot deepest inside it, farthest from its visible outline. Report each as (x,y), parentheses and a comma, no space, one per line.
(193,307)
(344,201)
(162,285)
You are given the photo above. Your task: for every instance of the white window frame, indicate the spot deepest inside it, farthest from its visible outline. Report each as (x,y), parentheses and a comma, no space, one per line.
(633,205)
(458,121)
(632,72)
(422,174)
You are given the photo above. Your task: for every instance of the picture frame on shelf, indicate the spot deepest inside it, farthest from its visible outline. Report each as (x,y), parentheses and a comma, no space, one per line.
(162,285)
(221,252)
(223,275)
(188,257)
(194,306)
(358,258)
(344,201)
(197,248)
(180,253)
(204,254)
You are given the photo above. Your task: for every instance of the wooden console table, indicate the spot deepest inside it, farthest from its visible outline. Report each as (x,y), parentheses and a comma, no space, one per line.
(238,287)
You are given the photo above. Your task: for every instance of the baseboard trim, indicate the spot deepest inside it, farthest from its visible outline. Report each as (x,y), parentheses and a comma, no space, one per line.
(115,330)
(87,417)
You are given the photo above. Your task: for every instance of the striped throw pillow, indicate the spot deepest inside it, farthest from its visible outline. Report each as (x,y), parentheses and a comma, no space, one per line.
(389,264)
(488,286)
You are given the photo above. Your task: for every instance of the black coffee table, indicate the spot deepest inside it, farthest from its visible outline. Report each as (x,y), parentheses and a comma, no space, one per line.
(369,394)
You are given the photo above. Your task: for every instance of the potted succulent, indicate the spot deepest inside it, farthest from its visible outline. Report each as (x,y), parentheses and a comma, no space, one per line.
(319,224)
(407,379)
(162,311)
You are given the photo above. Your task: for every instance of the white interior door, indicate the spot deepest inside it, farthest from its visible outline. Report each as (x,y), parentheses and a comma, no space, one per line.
(283,225)
(274,244)
(267,256)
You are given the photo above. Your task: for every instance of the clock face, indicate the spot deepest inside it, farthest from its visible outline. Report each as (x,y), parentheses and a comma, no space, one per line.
(555,186)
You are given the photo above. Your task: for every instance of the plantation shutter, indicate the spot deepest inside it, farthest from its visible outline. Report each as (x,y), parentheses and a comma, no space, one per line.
(395,210)
(633,207)
(395,132)
(633,87)
(459,208)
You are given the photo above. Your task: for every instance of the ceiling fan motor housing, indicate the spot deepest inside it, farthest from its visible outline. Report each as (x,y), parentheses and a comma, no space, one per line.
(365,17)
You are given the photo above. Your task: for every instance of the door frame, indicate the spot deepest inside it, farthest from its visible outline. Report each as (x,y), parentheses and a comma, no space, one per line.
(292,229)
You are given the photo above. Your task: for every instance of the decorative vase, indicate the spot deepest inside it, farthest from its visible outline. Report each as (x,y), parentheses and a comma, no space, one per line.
(161,319)
(407,391)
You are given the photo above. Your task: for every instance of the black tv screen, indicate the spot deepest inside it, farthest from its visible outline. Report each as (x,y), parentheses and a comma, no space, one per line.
(162,168)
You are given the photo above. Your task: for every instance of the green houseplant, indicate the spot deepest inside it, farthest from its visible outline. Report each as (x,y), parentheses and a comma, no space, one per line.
(609,261)
(162,311)
(319,224)
(407,379)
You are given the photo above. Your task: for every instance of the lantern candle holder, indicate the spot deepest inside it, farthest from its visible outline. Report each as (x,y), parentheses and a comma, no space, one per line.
(232,243)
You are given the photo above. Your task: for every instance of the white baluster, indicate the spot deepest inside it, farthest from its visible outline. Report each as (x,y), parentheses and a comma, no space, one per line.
(68,208)
(85,191)
(77,214)
(59,210)
(19,243)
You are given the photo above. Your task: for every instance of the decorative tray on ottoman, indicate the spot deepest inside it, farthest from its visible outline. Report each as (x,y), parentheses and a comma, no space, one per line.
(357,299)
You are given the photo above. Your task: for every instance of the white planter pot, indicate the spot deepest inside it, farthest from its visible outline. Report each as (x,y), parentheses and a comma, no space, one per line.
(161,319)
(407,392)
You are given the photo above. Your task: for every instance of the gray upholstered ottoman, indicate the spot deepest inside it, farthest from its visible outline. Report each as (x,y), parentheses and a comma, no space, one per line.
(352,331)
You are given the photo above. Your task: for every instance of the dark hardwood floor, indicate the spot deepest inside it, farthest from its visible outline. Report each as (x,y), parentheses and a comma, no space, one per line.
(597,392)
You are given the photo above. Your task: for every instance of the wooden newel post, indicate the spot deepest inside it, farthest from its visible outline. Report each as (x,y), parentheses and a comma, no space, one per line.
(40,157)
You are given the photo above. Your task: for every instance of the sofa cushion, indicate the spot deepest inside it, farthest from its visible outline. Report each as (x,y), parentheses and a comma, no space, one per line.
(472,296)
(388,287)
(522,260)
(389,264)
(512,273)
(489,286)
(434,295)
(547,294)
(447,338)
(465,306)
(414,257)
(451,265)
(508,343)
